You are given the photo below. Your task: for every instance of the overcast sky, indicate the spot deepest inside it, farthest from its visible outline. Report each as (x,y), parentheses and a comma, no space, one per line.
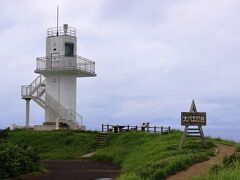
(152,58)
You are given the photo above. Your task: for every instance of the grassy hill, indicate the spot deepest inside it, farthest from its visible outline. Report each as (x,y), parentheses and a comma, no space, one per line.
(56,144)
(141,155)
(153,156)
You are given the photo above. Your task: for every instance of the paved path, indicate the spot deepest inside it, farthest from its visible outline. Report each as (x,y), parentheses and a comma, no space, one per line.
(80,169)
(88,155)
(202,168)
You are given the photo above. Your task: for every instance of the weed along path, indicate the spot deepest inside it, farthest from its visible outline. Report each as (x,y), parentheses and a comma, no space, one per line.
(201,168)
(80,169)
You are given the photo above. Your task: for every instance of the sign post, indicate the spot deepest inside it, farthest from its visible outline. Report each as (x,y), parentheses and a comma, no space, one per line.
(193,118)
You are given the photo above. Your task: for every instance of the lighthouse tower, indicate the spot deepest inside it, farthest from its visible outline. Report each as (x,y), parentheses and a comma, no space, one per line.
(55,87)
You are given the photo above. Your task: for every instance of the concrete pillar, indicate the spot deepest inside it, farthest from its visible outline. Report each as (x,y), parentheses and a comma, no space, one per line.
(57,124)
(27,112)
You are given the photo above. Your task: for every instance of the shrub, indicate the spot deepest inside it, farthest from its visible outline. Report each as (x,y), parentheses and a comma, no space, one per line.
(16,160)
(4,134)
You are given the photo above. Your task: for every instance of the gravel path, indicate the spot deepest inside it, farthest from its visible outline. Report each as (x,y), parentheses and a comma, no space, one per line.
(202,168)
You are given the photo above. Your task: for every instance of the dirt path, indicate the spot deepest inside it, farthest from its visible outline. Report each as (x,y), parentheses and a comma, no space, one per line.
(202,168)
(79,169)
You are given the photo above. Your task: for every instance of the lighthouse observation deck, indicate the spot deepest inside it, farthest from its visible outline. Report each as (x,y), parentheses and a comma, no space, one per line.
(60,31)
(78,65)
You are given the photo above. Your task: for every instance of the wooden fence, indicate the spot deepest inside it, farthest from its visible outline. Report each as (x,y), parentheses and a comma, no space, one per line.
(120,128)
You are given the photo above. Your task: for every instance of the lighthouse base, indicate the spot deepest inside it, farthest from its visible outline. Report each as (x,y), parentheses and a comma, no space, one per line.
(49,126)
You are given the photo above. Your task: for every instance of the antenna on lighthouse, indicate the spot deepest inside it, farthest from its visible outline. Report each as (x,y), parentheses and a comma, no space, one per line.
(57,20)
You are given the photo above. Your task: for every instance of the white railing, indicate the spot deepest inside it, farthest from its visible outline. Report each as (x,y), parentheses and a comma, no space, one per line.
(40,92)
(28,90)
(69,115)
(25,91)
(60,31)
(55,63)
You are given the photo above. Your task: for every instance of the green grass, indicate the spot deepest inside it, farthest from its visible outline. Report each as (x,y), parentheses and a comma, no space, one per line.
(66,144)
(225,173)
(152,156)
(221,141)
(140,155)
(237,147)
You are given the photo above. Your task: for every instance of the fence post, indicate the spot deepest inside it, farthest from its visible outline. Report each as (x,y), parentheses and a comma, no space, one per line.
(102,127)
(161,129)
(128,127)
(136,128)
(107,127)
(155,129)
(169,129)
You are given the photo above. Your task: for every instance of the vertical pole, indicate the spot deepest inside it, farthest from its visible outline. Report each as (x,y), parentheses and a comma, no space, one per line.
(59,86)
(169,129)
(161,129)
(57,124)
(202,136)
(128,127)
(136,128)
(57,20)
(27,112)
(102,127)
(155,129)
(107,127)
(183,137)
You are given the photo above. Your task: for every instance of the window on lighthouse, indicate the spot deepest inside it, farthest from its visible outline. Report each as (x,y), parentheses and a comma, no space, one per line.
(69,49)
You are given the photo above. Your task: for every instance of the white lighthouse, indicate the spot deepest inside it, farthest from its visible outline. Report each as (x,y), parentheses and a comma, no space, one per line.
(55,87)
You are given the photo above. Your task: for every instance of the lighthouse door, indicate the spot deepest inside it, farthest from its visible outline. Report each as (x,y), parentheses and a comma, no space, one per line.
(55,61)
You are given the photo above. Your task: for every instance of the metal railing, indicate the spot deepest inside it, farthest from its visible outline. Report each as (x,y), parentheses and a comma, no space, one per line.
(25,91)
(28,90)
(55,109)
(60,31)
(69,115)
(126,128)
(65,63)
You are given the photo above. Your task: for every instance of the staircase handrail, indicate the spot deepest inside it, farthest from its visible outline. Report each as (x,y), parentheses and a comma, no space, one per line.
(69,114)
(29,90)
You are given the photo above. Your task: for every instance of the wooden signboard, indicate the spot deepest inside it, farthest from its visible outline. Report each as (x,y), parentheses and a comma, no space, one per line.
(193,118)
